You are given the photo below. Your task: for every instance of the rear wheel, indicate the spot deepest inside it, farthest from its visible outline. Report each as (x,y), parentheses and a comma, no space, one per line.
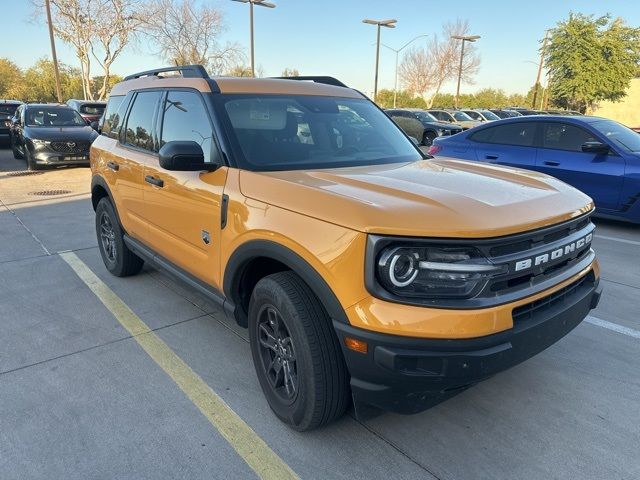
(117,257)
(428,138)
(296,353)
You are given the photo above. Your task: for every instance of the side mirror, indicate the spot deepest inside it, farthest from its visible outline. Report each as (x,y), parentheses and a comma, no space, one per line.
(184,156)
(94,125)
(595,147)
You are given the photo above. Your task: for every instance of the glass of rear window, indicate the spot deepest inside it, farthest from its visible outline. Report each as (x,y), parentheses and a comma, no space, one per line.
(8,109)
(276,132)
(92,109)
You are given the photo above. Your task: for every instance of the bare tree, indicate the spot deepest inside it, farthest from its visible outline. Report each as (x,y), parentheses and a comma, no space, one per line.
(98,29)
(73,22)
(290,72)
(424,71)
(117,23)
(187,34)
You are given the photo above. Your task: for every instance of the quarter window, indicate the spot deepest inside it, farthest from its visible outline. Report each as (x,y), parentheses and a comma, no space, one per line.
(519,134)
(185,118)
(140,124)
(563,136)
(111,126)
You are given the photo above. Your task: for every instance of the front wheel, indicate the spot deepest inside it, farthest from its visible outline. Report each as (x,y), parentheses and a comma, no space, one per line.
(296,353)
(119,260)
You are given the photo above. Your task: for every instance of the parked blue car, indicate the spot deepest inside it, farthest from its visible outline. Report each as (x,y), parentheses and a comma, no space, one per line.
(596,155)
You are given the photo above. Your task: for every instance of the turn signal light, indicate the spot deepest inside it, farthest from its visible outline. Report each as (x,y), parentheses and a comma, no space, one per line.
(356,345)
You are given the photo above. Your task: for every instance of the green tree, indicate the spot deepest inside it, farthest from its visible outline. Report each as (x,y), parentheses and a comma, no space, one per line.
(10,79)
(591,59)
(39,82)
(404,99)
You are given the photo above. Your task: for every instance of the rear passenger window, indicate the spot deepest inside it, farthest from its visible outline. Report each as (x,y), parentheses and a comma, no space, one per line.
(140,124)
(562,136)
(185,118)
(111,119)
(519,134)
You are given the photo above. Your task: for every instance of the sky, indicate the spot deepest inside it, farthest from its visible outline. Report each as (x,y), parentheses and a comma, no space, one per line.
(327,37)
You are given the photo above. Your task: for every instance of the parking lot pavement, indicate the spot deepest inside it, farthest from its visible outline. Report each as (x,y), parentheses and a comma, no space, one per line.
(79,397)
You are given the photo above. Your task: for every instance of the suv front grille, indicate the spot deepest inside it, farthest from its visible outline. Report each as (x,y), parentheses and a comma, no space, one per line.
(70,147)
(527,311)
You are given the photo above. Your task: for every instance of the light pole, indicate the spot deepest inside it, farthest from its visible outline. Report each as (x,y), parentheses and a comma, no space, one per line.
(53,52)
(395,84)
(535,87)
(464,38)
(379,23)
(260,3)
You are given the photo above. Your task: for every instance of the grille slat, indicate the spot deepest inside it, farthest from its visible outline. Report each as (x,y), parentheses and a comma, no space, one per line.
(70,147)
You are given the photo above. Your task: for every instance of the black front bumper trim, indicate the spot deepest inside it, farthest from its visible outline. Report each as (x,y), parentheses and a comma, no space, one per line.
(408,375)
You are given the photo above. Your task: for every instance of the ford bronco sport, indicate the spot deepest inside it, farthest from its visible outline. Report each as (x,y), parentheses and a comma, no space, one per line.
(365,271)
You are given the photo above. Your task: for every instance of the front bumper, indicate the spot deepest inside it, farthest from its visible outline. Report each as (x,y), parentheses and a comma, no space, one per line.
(58,158)
(407,375)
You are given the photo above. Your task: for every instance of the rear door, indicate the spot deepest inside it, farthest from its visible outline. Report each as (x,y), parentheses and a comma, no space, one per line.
(511,144)
(598,175)
(183,209)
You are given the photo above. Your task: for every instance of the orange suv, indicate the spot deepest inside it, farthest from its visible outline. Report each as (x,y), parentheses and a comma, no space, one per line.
(365,271)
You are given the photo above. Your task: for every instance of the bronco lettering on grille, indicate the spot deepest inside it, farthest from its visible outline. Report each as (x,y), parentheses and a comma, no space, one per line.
(553,254)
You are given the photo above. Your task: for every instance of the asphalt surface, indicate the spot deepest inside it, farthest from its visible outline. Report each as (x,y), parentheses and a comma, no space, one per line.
(80,398)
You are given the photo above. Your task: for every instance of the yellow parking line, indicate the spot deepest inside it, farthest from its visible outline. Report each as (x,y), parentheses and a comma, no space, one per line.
(240,436)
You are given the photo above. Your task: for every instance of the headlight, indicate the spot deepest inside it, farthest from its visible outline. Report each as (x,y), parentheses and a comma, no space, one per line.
(40,143)
(439,271)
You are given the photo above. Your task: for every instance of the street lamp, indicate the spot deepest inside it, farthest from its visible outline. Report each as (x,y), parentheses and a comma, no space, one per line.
(464,38)
(395,85)
(379,23)
(260,3)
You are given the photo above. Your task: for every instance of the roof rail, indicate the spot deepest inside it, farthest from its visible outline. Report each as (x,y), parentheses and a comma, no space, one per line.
(317,79)
(188,71)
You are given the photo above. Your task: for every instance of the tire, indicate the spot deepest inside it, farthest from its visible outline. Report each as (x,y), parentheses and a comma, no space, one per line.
(428,138)
(119,260)
(321,391)
(31,164)
(16,153)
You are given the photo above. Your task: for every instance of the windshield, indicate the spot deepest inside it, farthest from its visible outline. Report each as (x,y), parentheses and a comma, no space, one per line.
(619,135)
(8,109)
(53,117)
(489,115)
(426,116)
(274,132)
(461,116)
(92,109)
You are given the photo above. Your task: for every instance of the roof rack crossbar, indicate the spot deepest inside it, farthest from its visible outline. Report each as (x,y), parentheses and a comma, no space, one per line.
(187,71)
(317,79)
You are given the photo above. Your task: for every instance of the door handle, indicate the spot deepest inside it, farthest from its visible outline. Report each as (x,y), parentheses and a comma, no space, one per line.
(551,164)
(158,182)
(491,157)
(113,166)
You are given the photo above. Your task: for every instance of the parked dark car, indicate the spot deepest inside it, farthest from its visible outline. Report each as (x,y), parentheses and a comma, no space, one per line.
(50,135)
(89,110)
(7,111)
(527,111)
(599,156)
(505,113)
(432,127)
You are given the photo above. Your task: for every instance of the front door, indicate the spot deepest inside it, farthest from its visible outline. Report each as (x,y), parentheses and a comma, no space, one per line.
(598,175)
(183,209)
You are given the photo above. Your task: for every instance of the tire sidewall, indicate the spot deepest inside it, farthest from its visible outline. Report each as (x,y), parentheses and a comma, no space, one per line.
(270,293)
(105,207)
(428,138)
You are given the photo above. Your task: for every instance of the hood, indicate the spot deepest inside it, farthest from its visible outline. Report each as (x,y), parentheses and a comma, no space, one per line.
(85,133)
(429,198)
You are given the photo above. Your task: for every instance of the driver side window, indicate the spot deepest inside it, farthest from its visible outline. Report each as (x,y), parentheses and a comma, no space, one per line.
(563,136)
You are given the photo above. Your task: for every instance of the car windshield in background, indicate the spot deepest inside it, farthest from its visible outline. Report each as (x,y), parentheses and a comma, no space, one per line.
(274,132)
(619,135)
(426,117)
(92,109)
(489,115)
(461,116)
(53,117)
(8,109)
